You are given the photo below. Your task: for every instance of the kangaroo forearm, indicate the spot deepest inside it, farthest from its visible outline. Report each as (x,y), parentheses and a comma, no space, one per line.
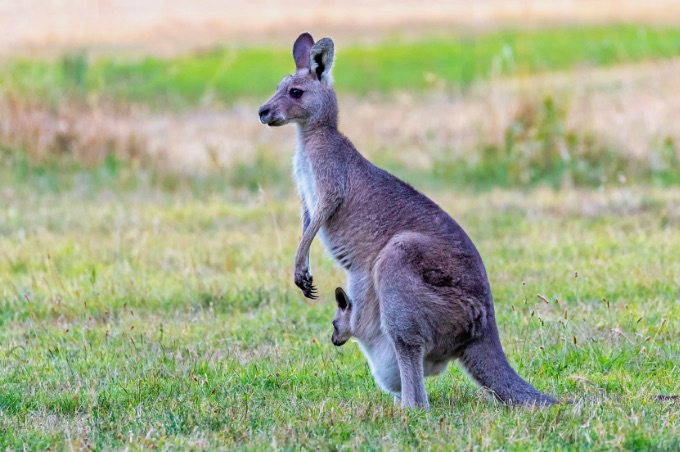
(306,219)
(302,255)
(324,210)
(305,225)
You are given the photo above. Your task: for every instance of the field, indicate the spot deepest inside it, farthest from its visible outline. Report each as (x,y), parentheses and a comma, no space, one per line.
(150,317)
(149,223)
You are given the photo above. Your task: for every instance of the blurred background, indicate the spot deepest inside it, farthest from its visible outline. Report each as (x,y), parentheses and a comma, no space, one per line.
(485,93)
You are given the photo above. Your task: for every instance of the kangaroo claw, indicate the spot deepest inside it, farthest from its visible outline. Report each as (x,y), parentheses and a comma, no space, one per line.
(303,279)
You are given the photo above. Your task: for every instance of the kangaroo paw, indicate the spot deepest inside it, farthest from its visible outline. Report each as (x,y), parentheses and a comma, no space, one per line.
(303,279)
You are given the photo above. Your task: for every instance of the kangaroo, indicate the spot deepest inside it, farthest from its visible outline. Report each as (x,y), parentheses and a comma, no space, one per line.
(383,362)
(419,292)
(342,321)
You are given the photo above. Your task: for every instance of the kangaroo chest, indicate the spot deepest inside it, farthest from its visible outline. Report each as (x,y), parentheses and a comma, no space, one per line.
(309,192)
(304,178)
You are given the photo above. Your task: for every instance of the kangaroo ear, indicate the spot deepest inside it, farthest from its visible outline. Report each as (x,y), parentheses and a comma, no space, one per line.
(301,49)
(321,60)
(341,299)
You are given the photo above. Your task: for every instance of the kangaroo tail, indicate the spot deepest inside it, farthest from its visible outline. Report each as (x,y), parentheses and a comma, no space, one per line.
(485,361)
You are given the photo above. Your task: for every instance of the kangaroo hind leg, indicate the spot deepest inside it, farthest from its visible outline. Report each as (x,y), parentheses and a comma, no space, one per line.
(413,392)
(405,305)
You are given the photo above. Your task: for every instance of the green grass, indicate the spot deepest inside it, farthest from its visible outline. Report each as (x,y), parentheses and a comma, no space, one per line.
(61,175)
(137,313)
(224,75)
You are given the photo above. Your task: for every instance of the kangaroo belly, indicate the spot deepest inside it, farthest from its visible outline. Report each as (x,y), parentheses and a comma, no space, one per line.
(432,368)
(382,360)
(348,241)
(339,251)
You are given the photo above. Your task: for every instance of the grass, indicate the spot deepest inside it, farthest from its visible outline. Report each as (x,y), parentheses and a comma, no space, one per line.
(140,314)
(225,75)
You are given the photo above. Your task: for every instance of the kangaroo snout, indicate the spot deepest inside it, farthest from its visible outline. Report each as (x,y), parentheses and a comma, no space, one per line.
(338,342)
(264,112)
(271,116)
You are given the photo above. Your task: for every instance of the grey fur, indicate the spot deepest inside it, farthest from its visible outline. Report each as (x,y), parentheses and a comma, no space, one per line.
(342,330)
(419,292)
(321,60)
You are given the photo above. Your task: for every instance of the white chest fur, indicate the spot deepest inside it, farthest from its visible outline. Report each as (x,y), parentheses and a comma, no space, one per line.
(304,178)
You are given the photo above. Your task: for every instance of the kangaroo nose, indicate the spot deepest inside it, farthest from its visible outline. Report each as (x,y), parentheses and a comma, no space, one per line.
(263,112)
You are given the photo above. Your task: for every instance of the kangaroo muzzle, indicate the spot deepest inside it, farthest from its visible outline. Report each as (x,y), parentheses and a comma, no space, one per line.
(338,342)
(270,117)
(265,113)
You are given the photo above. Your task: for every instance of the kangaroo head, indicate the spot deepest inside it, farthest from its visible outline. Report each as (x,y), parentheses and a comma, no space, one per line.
(342,331)
(306,97)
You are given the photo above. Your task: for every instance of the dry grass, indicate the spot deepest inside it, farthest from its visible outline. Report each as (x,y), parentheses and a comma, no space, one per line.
(163,26)
(86,133)
(631,109)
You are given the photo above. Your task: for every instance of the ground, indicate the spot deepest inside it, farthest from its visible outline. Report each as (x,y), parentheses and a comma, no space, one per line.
(151,318)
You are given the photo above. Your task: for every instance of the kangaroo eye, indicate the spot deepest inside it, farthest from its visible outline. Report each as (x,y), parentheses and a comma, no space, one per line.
(295,93)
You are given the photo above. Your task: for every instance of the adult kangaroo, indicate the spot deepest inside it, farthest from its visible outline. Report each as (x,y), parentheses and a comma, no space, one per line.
(418,288)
